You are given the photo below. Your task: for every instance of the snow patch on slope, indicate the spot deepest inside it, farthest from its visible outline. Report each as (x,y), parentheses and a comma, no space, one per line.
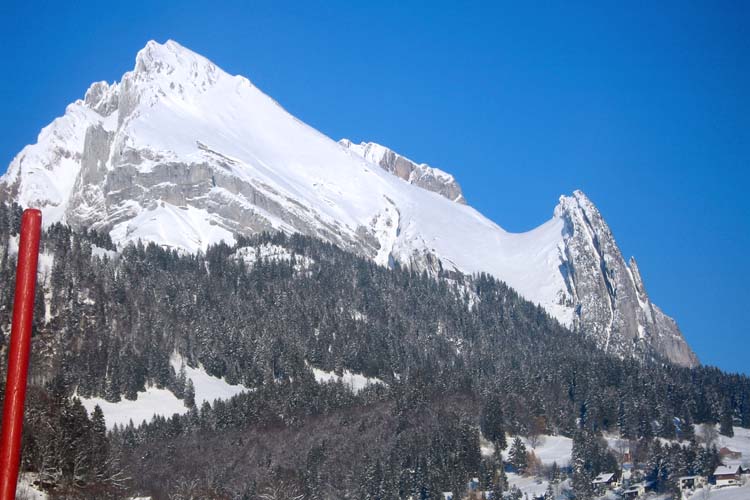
(147,405)
(154,401)
(726,493)
(274,253)
(739,442)
(207,388)
(176,227)
(355,381)
(25,490)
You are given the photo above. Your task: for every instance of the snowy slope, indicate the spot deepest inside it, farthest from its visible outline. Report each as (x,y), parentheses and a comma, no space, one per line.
(740,442)
(549,450)
(355,381)
(154,401)
(181,153)
(727,493)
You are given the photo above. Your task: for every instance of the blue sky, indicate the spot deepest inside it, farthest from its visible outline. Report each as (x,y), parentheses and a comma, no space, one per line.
(646,108)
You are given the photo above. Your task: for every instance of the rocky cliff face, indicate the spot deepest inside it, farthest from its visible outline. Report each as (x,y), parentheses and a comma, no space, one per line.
(611,303)
(422,175)
(181,153)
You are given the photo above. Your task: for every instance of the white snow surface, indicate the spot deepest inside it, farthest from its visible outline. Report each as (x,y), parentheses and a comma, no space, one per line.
(356,381)
(25,489)
(207,387)
(154,401)
(177,227)
(179,105)
(550,449)
(530,485)
(271,252)
(726,493)
(149,403)
(559,448)
(739,442)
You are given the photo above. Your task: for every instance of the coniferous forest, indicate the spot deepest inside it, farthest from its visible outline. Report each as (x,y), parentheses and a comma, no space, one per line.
(462,359)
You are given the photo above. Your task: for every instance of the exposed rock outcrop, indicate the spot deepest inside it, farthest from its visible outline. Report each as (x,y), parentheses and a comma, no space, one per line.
(419,174)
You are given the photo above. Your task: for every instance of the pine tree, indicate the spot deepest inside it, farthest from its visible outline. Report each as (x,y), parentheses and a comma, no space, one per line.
(549,494)
(517,455)
(726,421)
(497,489)
(687,429)
(189,394)
(99,443)
(580,461)
(514,494)
(491,421)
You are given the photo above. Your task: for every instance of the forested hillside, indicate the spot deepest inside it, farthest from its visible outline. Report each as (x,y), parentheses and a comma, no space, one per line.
(457,355)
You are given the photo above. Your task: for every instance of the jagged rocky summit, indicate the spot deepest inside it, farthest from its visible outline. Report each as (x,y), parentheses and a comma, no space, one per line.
(183,154)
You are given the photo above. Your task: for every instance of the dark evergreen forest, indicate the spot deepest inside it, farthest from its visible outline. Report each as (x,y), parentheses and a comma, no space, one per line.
(459,356)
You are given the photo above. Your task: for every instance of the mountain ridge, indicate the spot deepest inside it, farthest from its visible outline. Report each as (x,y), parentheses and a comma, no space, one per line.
(181,153)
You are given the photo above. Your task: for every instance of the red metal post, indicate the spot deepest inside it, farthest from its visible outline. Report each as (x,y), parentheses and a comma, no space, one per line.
(18,356)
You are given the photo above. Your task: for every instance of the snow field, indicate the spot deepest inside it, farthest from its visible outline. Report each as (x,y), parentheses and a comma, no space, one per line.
(355,381)
(154,401)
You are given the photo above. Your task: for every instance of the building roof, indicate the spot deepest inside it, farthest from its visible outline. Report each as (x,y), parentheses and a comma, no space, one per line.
(604,477)
(724,470)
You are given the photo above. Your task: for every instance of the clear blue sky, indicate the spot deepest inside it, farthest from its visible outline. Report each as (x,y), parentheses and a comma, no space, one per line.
(646,108)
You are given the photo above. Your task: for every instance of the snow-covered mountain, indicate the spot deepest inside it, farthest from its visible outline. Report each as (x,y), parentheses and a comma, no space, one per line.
(181,153)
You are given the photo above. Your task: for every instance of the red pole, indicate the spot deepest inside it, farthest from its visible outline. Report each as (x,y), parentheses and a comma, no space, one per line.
(18,356)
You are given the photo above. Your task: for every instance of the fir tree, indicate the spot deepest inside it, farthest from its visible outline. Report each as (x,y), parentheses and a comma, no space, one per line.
(491,421)
(517,456)
(726,421)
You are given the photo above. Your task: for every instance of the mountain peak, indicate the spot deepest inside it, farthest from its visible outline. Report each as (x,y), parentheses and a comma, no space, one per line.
(576,202)
(175,65)
(155,54)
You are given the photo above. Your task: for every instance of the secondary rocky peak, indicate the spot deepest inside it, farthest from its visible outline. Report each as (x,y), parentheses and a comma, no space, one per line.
(612,305)
(102,98)
(422,175)
(637,279)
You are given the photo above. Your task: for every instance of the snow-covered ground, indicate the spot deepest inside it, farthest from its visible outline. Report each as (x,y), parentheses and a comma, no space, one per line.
(559,448)
(549,449)
(272,253)
(26,491)
(102,252)
(149,403)
(739,442)
(207,388)
(154,401)
(356,381)
(552,449)
(531,486)
(178,227)
(727,493)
